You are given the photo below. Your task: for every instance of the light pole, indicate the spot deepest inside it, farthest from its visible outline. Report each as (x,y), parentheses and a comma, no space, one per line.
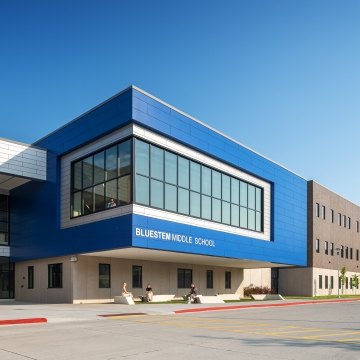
(338,269)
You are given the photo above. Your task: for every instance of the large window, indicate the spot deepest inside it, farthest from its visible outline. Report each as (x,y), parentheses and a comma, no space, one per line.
(6,278)
(4,220)
(174,183)
(104,276)
(137,277)
(209,279)
(54,276)
(102,180)
(227,279)
(184,278)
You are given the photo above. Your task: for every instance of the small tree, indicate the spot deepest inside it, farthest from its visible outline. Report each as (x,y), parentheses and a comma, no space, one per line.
(355,282)
(343,278)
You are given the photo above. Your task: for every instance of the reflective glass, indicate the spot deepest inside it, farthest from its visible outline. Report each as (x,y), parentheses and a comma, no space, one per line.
(77,175)
(99,197)
(194,204)
(183,172)
(206,180)
(243,217)
(183,201)
(125,150)
(234,215)
(216,184)
(216,210)
(77,204)
(4,239)
(243,194)
(157,163)
(258,222)
(251,219)
(142,190)
(170,197)
(235,191)
(88,201)
(99,168)
(225,187)
(141,157)
(124,190)
(251,196)
(87,171)
(157,193)
(206,207)
(170,168)
(111,194)
(195,176)
(258,199)
(225,214)
(111,163)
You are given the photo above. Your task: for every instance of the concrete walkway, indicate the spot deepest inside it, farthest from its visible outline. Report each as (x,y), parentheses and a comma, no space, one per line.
(14,312)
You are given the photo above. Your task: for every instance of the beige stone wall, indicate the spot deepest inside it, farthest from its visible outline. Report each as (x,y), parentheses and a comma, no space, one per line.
(81,279)
(41,292)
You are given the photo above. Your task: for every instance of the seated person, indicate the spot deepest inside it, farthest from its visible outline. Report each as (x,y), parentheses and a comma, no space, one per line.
(125,292)
(148,293)
(111,203)
(193,293)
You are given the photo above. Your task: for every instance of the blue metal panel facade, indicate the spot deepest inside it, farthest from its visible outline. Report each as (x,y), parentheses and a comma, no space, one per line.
(36,206)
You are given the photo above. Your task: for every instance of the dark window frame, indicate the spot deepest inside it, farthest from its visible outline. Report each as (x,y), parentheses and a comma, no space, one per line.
(184,278)
(227,279)
(104,276)
(55,276)
(209,279)
(30,277)
(137,278)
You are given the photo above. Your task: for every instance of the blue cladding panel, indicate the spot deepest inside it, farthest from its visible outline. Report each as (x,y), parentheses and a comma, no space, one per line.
(36,205)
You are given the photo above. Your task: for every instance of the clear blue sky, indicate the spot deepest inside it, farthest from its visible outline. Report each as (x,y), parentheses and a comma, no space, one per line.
(282,77)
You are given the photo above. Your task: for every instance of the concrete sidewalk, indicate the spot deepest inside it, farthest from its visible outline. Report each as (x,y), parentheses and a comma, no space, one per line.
(14,312)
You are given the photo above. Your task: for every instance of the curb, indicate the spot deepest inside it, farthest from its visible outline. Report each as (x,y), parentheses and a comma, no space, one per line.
(262,306)
(23,321)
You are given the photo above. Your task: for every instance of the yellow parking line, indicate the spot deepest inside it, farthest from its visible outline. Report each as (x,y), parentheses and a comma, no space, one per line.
(338,334)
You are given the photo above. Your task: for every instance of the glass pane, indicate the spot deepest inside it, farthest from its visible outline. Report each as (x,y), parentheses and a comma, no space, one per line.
(170,168)
(125,190)
(258,199)
(205,180)
(235,191)
(4,216)
(251,219)
(4,203)
(157,163)
(183,198)
(251,196)
(195,176)
(225,187)
(243,194)
(99,197)
(77,175)
(216,210)
(111,163)
(111,193)
(234,215)
(225,212)
(125,157)
(157,193)
(216,184)
(170,197)
(183,172)
(99,168)
(77,204)
(88,201)
(87,172)
(194,204)
(243,217)
(258,221)
(142,190)
(3,240)
(4,227)
(206,207)
(141,157)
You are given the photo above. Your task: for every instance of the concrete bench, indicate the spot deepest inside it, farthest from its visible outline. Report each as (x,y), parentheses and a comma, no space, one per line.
(208,299)
(229,296)
(127,300)
(267,297)
(162,298)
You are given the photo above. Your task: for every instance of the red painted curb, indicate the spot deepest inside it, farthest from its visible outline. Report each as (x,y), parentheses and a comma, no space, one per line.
(23,321)
(242,307)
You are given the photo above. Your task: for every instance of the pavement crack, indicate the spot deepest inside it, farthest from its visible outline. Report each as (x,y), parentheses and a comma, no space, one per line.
(15,353)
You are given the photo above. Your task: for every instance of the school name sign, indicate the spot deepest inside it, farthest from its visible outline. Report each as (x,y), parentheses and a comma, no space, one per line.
(174,237)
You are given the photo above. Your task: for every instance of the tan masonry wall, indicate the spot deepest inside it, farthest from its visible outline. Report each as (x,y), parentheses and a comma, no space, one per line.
(81,279)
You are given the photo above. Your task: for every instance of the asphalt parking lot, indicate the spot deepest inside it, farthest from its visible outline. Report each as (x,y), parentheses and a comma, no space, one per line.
(321,331)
